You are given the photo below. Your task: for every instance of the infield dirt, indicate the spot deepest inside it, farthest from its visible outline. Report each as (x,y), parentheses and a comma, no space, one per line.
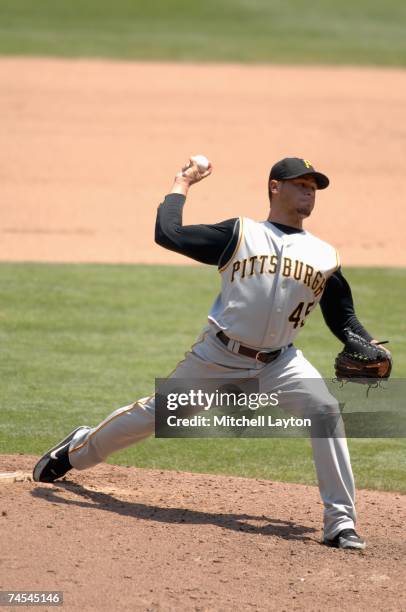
(148,540)
(89,149)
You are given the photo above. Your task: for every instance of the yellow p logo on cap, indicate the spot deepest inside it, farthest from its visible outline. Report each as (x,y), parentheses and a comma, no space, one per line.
(307,163)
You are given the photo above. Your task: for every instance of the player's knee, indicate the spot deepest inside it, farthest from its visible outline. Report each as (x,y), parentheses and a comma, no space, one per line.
(325,406)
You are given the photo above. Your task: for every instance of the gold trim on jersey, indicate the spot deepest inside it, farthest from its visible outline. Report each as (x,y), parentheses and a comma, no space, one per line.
(224,268)
(337,260)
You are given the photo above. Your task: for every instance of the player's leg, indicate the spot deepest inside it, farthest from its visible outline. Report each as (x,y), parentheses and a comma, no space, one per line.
(129,425)
(123,427)
(304,393)
(86,447)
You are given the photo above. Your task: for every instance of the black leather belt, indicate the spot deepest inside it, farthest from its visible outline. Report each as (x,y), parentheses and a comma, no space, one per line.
(249,352)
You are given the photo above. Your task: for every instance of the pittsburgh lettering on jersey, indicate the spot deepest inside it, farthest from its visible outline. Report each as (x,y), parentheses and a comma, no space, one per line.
(292,268)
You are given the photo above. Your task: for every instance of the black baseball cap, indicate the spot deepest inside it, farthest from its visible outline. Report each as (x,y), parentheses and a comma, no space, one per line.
(294,167)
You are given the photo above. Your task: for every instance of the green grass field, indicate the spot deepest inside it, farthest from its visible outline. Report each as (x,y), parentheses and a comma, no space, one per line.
(78,341)
(322,31)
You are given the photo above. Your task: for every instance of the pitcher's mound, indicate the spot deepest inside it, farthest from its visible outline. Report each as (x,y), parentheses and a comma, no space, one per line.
(134,539)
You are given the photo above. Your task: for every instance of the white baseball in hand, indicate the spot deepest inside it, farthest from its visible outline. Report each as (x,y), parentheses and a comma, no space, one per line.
(201,161)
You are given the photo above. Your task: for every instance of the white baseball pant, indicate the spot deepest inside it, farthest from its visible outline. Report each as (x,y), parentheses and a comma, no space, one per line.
(302,388)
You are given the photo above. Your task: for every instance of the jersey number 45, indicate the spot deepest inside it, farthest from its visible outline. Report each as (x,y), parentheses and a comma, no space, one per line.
(297,317)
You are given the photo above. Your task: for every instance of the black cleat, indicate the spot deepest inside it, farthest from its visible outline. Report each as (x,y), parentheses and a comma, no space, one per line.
(346,539)
(55,463)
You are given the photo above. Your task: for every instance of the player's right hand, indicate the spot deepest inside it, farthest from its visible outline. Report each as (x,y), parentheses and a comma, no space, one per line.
(191,174)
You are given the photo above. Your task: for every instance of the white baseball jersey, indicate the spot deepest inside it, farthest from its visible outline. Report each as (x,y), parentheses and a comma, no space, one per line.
(270,284)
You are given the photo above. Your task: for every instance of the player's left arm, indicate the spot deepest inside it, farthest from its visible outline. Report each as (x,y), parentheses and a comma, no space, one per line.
(338,310)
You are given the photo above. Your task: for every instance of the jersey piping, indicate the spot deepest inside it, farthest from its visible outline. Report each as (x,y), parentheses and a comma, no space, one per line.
(241,233)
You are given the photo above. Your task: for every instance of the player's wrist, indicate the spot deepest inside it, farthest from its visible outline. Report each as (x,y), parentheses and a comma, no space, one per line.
(182,180)
(181,185)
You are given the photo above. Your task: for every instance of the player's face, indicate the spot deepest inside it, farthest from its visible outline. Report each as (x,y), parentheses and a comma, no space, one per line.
(298,195)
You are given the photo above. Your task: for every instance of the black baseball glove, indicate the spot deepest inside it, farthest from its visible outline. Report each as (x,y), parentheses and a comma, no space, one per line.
(361,360)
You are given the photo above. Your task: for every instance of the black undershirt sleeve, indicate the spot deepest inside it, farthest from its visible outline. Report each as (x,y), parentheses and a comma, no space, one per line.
(208,244)
(337,307)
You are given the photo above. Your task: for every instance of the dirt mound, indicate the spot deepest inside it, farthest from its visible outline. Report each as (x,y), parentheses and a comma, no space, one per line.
(133,539)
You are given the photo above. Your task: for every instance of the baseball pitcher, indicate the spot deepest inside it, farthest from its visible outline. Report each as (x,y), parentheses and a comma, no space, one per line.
(273,275)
